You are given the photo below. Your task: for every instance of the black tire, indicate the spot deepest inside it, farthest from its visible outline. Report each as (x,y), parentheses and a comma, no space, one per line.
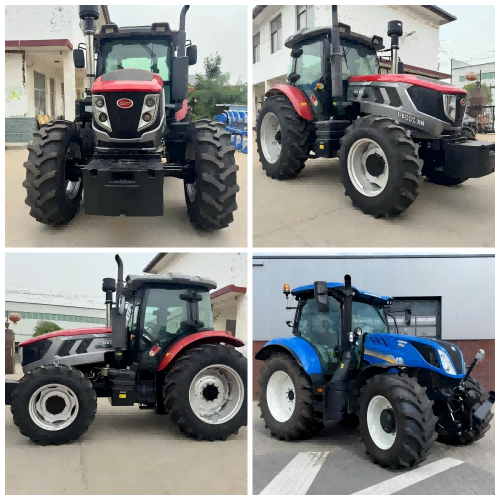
(48,171)
(296,139)
(415,420)
(54,374)
(213,201)
(402,160)
(177,384)
(159,403)
(477,394)
(302,424)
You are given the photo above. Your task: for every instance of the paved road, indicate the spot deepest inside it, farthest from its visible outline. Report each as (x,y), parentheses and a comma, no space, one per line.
(312,211)
(348,470)
(126,451)
(172,230)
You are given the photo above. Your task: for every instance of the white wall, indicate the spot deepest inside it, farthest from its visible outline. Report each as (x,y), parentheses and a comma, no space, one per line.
(419,49)
(16,99)
(25,328)
(466,286)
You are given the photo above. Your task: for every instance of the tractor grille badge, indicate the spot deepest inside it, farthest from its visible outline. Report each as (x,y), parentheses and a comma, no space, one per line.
(124,103)
(154,350)
(462,102)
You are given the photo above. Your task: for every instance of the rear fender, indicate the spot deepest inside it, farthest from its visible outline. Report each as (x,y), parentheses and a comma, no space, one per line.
(301,350)
(213,337)
(296,97)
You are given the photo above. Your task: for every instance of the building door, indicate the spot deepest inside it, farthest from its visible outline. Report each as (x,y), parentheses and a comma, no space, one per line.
(52,98)
(40,100)
(425,316)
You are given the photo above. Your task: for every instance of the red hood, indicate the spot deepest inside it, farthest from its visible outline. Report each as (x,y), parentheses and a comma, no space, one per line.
(154,85)
(69,333)
(412,80)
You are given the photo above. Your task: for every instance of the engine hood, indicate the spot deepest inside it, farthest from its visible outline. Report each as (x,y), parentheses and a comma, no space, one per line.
(69,333)
(412,351)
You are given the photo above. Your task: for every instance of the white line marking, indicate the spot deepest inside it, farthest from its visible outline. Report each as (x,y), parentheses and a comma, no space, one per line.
(297,477)
(404,480)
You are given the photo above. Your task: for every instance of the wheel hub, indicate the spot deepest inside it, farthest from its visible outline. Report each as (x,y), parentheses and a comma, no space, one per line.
(381,422)
(388,421)
(216,394)
(280,396)
(375,164)
(55,405)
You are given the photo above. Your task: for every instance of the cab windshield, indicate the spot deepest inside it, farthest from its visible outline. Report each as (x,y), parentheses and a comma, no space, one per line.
(150,55)
(371,319)
(358,59)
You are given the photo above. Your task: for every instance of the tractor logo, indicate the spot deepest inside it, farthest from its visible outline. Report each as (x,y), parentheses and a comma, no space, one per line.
(401,343)
(125,103)
(399,360)
(462,102)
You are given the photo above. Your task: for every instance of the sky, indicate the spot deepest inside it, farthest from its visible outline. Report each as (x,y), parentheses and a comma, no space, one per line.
(73,273)
(469,39)
(212,29)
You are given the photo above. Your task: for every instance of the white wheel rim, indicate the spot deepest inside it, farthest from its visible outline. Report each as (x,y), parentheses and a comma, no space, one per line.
(280,396)
(216,394)
(72,188)
(384,440)
(361,152)
(271,147)
(52,398)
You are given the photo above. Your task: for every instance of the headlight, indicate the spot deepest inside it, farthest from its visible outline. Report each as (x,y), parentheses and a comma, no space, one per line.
(446,362)
(450,106)
(149,111)
(101,112)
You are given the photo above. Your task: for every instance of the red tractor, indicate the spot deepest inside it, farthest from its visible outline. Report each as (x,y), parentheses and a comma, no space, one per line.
(159,351)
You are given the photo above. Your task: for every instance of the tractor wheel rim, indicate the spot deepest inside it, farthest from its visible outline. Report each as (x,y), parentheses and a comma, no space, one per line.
(271,146)
(191,191)
(382,439)
(216,394)
(53,407)
(280,396)
(72,188)
(367,167)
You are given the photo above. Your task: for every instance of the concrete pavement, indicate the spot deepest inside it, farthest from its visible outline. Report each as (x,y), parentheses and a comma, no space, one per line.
(312,211)
(173,229)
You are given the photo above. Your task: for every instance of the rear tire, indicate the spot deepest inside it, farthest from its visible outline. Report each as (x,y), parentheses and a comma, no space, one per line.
(177,389)
(61,375)
(52,200)
(296,141)
(300,422)
(478,395)
(400,177)
(413,430)
(211,195)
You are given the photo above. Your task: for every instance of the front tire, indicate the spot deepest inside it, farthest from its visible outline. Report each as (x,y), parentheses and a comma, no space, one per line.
(397,424)
(53,191)
(380,166)
(211,194)
(205,392)
(286,399)
(283,138)
(54,405)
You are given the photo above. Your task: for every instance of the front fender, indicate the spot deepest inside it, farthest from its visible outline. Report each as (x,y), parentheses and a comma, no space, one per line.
(301,350)
(296,97)
(213,337)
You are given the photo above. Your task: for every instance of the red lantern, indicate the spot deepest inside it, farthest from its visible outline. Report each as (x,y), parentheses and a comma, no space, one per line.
(15,317)
(472,77)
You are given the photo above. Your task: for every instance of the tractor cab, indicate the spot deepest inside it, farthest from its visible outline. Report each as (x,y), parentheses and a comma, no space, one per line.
(310,66)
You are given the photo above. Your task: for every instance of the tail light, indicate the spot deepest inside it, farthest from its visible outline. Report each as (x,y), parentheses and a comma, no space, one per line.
(149,111)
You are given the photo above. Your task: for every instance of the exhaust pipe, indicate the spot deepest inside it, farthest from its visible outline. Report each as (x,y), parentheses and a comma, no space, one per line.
(336,58)
(181,34)
(89,14)
(394,30)
(119,281)
(108,286)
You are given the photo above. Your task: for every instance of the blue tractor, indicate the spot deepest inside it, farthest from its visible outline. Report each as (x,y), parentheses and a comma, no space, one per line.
(343,366)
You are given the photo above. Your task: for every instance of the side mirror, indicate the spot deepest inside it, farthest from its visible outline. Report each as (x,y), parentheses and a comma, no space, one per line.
(296,53)
(192,53)
(408,316)
(79,58)
(321,296)
(401,68)
(293,77)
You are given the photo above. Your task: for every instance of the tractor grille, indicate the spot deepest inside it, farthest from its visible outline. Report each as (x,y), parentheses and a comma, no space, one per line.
(35,351)
(428,352)
(430,102)
(454,354)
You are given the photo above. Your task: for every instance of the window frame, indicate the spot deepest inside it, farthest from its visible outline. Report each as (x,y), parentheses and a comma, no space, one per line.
(256,48)
(278,33)
(307,8)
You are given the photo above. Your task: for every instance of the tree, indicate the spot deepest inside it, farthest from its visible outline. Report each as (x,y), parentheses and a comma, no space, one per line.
(472,86)
(213,88)
(43,327)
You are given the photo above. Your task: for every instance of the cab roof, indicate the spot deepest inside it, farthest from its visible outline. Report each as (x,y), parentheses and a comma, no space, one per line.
(135,281)
(362,294)
(161,31)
